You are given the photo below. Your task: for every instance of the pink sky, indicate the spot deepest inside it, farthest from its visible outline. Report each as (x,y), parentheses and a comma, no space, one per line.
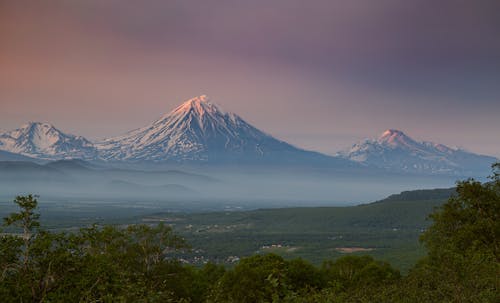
(99,69)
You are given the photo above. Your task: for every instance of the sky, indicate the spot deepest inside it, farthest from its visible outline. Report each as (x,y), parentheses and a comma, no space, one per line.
(320,74)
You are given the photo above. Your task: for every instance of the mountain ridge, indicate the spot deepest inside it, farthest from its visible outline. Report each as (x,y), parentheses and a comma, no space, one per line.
(198,131)
(396,151)
(43,141)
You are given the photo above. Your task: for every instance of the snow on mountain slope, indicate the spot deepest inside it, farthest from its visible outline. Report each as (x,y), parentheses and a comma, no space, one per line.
(396,151)
(44,141)
(198,130)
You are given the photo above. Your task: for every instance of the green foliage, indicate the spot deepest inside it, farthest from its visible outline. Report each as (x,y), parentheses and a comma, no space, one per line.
(469,221)
(350,272)
(137,263)
(255,279)
(303,276)
(390,228)
(205,280)
(129,264)
(463,244)
(26,218)
(270,278)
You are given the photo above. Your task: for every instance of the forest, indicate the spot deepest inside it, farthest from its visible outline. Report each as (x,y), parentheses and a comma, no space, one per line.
(139,263)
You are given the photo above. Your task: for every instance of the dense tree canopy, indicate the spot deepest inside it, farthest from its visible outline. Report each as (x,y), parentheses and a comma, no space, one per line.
(136,263)
(463,246)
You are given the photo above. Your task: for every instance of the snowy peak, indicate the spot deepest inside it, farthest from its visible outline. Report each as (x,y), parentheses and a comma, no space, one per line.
(396,139)
(200,106)
(197,130)
(44,141)
(394,150)
(36,126)
(392,133)
(198,112)
(200,131)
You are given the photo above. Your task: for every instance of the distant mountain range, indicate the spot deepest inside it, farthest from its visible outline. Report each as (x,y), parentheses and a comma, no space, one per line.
(198,131)
(395,151)
(78,178)
(44,141)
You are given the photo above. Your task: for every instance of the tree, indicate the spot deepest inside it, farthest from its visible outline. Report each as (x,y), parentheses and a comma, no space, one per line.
(129,264)
(469,221)
(463,262)
(302,275)
(260,278)
(26,219)
(356,272)
(206,279)
(95,264)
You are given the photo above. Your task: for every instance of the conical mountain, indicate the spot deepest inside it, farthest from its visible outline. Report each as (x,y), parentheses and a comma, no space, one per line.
(44,141)
(394,150)
(200,131)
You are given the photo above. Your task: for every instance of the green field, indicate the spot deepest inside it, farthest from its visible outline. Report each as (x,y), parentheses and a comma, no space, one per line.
(387,229)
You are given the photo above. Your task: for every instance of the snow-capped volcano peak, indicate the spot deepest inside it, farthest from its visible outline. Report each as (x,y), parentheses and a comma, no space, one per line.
(197,130)
(200,105)
(396,138)
(392,133)
(198,109)
(44,141)
(394,150)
